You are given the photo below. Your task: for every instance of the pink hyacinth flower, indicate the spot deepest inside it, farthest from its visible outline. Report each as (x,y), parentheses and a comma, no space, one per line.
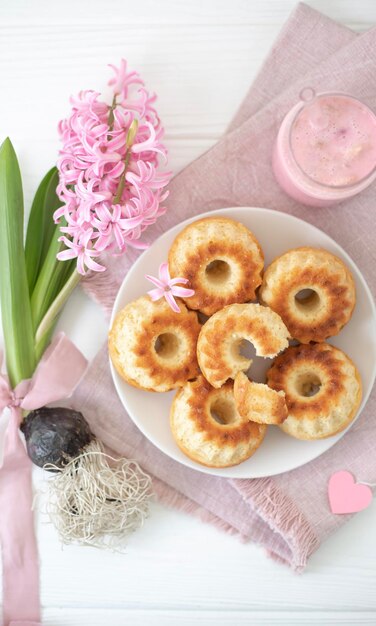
(122,79)
(110,184)
(167,287)
(82,252)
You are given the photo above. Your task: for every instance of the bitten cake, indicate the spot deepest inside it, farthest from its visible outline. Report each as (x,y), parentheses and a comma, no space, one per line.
(257,402)
(221,338)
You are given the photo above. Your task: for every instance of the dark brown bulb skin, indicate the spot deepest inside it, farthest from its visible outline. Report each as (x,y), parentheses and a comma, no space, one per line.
(55,435)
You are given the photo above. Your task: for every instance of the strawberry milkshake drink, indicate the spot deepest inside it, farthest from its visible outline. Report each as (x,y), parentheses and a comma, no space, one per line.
(325,151)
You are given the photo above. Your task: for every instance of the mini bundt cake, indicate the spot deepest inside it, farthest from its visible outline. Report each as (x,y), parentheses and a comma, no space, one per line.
(312,290)
(257,402)
(221,338)
(222,260)
(152,347)
(207,427)
(322,386)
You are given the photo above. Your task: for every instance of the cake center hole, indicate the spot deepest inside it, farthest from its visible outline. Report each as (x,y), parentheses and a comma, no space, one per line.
(243,354)
(223,411)
(308,385)
(166,345)
(217,272)
(307,299)
(246,349)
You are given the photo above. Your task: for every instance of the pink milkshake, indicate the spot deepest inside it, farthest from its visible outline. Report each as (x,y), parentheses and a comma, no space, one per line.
(325,151)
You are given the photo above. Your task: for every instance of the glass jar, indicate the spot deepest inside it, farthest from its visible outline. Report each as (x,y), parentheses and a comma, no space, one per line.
(325,151)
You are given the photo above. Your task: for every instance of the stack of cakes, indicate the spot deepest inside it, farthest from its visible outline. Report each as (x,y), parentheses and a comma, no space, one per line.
(219,416)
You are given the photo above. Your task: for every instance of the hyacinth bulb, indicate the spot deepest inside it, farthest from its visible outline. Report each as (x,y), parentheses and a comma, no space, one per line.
(55,435)
(94,498)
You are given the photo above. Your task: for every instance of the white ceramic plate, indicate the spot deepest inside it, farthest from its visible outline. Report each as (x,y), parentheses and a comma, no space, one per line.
(277,233)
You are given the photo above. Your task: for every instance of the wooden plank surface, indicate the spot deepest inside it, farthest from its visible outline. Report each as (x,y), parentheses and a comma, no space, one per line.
(200,57)
(169,13)
(73,617)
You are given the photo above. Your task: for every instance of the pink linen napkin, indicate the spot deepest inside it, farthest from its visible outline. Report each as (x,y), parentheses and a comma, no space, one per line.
(287,514)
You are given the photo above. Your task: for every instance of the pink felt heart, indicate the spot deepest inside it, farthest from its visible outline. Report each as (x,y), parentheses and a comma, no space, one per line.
(347,496)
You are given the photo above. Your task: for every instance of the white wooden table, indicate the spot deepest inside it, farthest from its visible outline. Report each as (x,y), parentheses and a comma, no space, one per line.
(200,57)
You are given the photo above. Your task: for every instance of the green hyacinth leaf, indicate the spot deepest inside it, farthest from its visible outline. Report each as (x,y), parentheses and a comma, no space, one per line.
(14,290)
(41,227)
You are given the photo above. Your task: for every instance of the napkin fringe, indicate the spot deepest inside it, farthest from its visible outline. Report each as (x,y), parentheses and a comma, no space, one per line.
(282,515)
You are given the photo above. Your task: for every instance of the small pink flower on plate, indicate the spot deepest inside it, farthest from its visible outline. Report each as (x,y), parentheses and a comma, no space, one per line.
(167,287)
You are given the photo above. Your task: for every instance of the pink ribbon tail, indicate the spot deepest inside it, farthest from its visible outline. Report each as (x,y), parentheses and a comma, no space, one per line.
(55,378)
(18,542)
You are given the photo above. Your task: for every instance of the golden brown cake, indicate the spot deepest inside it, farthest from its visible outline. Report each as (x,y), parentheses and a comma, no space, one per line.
(312,290)
(222,260)
(152,347)
(322,386)
(207,427)
(257,402)
(222,336)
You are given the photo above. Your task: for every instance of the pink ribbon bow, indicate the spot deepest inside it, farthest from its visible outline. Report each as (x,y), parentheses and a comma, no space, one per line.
(55,378)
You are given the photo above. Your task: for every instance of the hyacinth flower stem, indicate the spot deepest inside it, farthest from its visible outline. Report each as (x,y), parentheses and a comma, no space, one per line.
(132,132)
(111,117)
(45,328)
(51,279)
(121,185)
